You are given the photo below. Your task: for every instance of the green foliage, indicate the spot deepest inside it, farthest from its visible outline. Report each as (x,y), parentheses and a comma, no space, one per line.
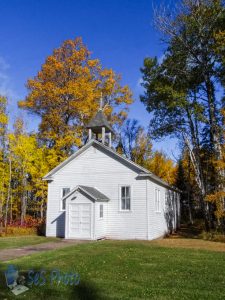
(180,93)
(136,145)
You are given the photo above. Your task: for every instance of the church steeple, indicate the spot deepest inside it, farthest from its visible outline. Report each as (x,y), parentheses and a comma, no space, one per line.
(100,127)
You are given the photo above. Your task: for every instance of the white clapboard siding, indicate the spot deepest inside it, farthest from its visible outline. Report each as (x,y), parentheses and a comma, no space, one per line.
(103,171)
(157,224)
(95,168)
(167,220)
(101,224)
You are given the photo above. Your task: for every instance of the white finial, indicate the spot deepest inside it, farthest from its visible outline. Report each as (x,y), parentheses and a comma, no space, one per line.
(101,102)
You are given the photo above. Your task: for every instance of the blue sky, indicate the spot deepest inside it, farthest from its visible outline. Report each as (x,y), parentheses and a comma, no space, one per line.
(120,33)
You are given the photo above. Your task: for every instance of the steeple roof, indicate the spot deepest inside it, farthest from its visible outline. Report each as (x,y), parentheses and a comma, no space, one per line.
(98,122)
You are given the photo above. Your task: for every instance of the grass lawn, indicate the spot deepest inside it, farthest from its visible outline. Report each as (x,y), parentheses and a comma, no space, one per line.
(20,241)
(126,270)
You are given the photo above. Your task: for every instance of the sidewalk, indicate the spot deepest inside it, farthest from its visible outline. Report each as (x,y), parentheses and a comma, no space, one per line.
(9,254)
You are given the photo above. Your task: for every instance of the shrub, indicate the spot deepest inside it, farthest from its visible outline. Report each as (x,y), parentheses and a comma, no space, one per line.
(20,230)
(41,228)
(30,226)
(213,236)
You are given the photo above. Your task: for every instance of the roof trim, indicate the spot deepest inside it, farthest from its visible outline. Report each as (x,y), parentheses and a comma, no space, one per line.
(85,147)
(66,161)
(153,177)
(88,193)
(142,171)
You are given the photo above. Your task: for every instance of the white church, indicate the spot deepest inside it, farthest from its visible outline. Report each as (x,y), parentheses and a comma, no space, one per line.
(97,193)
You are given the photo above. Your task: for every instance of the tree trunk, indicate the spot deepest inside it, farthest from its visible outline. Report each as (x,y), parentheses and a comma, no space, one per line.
(200,182)
(1,210)
(8,193)
(214,127)
(190,209)
(42,210)
(189,192)
(194,154)
(215,137)
(11,204)
(24,199)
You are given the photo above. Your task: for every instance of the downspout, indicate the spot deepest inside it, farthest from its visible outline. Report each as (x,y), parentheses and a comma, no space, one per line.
(93,216)
(147,212)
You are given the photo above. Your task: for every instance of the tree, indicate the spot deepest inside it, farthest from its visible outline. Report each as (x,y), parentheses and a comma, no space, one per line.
(4,166)
(65,95)
(44,160)
(23,152)
(162,166)
(217,196)
(134,143)
(181,91)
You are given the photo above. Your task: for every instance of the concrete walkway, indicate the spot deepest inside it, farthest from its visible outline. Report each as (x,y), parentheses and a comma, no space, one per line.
(9,254)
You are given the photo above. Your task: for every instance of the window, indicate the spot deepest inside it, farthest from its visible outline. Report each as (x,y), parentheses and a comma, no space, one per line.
(64,192)
(157,201)
(166,199)
(125,197)
(101,211)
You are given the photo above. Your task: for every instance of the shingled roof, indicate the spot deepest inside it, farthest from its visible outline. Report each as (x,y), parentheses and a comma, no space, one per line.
(92,192)
(98,122)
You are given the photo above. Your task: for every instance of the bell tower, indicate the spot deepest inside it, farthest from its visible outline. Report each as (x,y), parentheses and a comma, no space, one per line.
(99,128)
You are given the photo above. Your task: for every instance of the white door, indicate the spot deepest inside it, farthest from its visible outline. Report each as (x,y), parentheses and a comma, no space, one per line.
(80,221)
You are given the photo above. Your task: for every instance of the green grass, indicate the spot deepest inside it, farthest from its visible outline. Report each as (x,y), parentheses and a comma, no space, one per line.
(20,241)
(126,270)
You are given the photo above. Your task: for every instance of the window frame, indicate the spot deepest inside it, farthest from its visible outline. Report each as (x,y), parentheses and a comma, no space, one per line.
(120,198)
(166,199)
(158,205)
(61,197)
(101,211)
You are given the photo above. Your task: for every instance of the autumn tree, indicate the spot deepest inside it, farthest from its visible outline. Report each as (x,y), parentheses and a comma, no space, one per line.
(217,196)
(136,145)
(180,92)
(44,159)
(28,165)
(4,170)
(162,166)
(133,142)
(65,94)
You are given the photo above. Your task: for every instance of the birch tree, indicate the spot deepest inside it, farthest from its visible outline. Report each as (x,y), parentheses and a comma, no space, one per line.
(181,91)
(4,166)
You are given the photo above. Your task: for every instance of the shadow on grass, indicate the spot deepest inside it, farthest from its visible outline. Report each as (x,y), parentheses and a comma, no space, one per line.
(84,290)
(189,231)
(186,231)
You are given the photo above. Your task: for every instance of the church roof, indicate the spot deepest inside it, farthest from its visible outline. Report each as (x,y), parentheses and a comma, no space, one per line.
(98,122)
(92,192)
(142,172)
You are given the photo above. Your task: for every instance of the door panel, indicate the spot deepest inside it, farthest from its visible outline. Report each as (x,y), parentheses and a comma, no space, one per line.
(80,220)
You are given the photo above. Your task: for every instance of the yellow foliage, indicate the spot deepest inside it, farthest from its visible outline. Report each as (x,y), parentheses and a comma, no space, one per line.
(218,198)
(66,93)
(163,167)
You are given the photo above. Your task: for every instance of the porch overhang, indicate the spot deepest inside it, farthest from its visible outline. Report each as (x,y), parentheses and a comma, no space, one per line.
(93,193)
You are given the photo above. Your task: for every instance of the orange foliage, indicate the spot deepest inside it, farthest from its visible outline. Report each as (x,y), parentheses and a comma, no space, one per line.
(66,92)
